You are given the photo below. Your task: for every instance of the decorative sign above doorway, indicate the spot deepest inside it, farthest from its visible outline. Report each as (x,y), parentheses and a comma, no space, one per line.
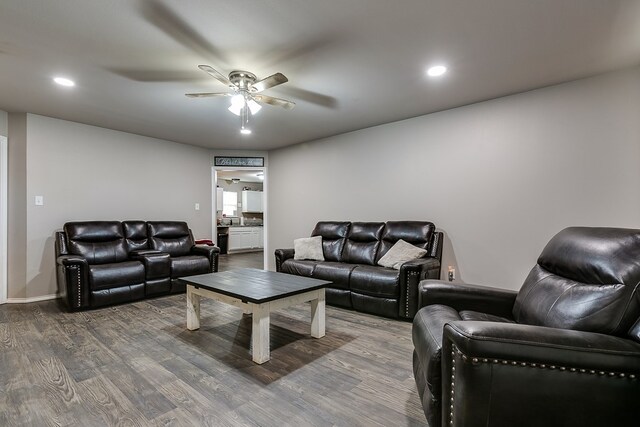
(244,162)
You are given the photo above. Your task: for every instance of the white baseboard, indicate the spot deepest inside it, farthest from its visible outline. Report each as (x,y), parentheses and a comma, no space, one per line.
(32,299)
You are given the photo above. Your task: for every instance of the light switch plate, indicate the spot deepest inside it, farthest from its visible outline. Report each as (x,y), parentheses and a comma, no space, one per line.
(39,200)
(197,206)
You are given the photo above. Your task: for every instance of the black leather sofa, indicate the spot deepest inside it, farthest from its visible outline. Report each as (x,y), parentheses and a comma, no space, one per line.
(563,351)
(352,250)
(107,262)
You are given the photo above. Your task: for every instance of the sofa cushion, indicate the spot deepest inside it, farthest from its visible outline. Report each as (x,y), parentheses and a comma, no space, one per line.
(336,272)
(298,267)
(135,234)
(172,237)
(418,233)
(586,279)
(100,242)
(400,253)
(103,276)
(333,235)
(308,248)
(362,243)
(375,281)
(189,265)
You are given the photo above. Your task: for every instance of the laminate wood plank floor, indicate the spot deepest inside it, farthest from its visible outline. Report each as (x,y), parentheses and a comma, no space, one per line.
(136,364)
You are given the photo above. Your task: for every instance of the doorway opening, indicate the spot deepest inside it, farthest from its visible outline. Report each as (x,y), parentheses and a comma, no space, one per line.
(239,215)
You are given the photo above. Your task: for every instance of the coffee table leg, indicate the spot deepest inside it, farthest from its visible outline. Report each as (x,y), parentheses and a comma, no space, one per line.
(193,310)
(260,333)
(318,315)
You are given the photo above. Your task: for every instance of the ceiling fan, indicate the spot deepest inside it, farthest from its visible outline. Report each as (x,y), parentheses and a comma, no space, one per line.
(246,96)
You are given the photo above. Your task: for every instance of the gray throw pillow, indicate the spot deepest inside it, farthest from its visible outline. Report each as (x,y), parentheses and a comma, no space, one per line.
(400,253)
(308,248)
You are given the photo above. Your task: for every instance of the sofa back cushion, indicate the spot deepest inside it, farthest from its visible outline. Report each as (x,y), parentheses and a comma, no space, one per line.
(362,243)
(333,234)
(418,233)
(135,234)
(172,237)
(100,242)
(586,279)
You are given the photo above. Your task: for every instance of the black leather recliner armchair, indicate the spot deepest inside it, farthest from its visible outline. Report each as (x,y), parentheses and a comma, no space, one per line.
(563,351)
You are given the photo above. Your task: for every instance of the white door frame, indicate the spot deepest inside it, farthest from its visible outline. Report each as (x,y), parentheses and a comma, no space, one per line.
(4,188)
(265,217)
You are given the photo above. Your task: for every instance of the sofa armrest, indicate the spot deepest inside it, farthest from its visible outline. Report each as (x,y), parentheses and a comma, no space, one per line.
(411,273)
(462,296)
(498,371)
(282,255)
(73,281)
(211,252)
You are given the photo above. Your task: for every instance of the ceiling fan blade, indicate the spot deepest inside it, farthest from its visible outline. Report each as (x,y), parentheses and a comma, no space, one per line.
(206,94)
(271,81)
(216,75)
(287,105)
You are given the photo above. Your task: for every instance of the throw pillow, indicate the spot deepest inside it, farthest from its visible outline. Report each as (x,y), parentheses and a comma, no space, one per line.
(308,248)
(400,253)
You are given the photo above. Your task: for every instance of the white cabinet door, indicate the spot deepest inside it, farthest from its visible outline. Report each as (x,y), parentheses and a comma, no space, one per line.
(219,199)
(239,239)
(260,237)
(252,201)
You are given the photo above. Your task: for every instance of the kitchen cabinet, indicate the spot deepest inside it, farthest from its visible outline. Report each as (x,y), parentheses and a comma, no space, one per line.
(219,199)
(252,201)
(245,238)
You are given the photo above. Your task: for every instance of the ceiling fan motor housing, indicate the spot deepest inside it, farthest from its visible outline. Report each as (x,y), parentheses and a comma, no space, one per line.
(242,79)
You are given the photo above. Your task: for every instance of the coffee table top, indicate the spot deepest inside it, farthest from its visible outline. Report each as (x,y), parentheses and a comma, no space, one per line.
(253,285)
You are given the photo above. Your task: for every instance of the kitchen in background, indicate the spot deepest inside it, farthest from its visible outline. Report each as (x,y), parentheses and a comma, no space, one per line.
(240,201)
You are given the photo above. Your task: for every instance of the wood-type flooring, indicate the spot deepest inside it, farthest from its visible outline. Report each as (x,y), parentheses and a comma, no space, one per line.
(137,365)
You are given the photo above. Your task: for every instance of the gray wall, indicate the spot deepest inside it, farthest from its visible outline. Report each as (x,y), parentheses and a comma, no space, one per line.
(17,206)
(90,173)
(4,120)
(499,177)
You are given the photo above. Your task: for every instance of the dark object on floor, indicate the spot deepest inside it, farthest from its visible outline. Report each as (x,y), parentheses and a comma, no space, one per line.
(563,351)
(108,262)
(351,252)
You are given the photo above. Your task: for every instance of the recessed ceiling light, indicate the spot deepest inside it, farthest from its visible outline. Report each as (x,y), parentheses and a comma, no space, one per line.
(245,131)
(436,70)
(62,81)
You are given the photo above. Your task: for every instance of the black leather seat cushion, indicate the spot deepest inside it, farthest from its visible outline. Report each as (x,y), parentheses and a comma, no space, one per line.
(104,276)
(172,237)
(100,242)
(336,272)
(334,234)
(375,281)
(586,279)
(418,233)
(189,265)
(299,267)
(135,233)
(362,243)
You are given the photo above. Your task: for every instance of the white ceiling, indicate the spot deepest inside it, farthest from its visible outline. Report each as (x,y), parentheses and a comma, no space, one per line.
(242,175)
(351,64)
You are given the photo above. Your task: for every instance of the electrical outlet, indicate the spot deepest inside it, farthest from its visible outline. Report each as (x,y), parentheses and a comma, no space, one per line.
(452,273)
(39,201)
(197,206)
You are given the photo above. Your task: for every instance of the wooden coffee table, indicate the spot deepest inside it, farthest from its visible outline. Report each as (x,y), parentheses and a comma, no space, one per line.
(257,292)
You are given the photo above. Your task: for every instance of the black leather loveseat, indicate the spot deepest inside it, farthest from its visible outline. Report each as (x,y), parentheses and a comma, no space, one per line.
(351,252)
(563,351)
(107,262)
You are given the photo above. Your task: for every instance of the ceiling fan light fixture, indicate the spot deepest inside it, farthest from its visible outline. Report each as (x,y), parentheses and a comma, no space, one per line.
(237,104)
(245,131)
(254,107)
